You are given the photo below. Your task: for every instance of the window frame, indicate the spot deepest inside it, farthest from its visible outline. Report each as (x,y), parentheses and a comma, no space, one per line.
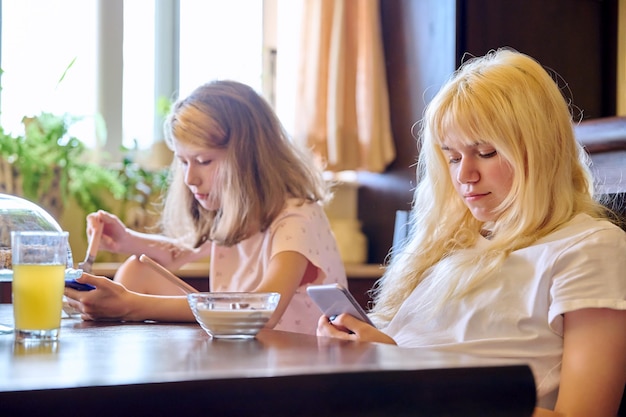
(110,57)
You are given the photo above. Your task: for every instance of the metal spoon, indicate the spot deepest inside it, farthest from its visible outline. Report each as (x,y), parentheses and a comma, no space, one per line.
(92,249)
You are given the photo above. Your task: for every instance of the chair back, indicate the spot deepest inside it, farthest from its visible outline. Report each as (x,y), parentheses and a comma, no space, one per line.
(400,230)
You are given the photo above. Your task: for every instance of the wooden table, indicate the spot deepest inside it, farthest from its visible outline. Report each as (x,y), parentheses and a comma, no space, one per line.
(150,369)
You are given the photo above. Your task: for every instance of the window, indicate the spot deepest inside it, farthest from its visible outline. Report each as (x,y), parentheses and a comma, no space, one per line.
(138,76)
(65,57)
(218,45)
(49,61)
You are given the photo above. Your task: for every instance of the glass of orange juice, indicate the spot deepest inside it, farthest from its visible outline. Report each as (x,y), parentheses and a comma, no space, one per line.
(39,262)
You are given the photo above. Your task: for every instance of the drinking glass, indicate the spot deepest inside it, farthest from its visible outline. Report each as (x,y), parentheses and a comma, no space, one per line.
(39,262)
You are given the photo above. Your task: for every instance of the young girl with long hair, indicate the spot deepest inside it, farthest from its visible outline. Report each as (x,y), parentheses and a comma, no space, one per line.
(509,254)
(240,192)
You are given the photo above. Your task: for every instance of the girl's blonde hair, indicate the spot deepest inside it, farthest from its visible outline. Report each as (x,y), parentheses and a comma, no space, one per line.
(509,100)
(262,168)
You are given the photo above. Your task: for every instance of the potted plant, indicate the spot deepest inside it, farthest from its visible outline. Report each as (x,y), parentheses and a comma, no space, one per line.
(143,187)
(48,166)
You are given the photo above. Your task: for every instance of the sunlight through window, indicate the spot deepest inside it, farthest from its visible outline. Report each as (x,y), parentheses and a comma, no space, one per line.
(49,62)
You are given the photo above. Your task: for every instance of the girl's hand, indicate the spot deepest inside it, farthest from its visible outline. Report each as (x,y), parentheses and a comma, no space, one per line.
(109,301)
(114,232)
(347,327)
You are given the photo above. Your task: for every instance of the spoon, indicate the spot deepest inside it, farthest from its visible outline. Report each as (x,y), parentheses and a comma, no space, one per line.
(92,249)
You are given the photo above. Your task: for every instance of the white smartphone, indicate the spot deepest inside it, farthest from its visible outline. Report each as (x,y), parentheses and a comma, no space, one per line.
(334,299)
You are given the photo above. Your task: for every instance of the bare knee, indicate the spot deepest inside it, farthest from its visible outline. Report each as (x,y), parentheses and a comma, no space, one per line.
(140,277)
(132,274)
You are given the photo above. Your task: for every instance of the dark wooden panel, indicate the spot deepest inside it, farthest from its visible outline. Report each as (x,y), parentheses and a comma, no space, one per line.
(359,288)
(380,195)
(575,38)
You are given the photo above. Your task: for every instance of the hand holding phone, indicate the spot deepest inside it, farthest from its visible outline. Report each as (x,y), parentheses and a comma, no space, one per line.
(334,299)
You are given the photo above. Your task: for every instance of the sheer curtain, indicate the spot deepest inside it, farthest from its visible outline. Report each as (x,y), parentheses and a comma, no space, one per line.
(342,104)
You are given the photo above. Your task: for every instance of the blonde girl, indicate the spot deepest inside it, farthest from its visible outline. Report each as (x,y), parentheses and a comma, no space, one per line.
(509,254)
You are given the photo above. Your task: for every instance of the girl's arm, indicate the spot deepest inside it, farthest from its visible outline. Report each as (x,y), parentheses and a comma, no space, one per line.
(118,238)
(112,301)
(284,274)
(593,370)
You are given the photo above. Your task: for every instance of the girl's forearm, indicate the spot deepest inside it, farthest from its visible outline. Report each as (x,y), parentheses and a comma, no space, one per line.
(163,250)
(160,308)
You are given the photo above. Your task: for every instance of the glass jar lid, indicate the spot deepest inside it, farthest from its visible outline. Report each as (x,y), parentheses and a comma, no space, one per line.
(20,214)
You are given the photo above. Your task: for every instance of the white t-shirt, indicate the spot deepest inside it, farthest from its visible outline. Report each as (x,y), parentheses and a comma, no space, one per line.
(300,228)
(519,314)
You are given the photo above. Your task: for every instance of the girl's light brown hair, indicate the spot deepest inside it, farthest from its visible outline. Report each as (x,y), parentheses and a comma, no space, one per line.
(263,167)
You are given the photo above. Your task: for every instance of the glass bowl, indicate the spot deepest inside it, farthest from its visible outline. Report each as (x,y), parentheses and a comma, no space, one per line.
(233,315)
(17,213)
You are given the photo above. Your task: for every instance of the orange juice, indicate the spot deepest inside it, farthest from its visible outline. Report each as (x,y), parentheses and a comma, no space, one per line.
(38,296)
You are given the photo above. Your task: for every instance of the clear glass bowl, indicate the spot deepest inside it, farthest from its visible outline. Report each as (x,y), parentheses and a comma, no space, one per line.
(233,315)
(19,214)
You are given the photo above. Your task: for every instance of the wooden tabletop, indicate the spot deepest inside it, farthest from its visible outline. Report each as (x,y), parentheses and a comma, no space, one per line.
(153,369)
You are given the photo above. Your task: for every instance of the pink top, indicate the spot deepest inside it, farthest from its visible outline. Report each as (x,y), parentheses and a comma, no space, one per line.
(304,229)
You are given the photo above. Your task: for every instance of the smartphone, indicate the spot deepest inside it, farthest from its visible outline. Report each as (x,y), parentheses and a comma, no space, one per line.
(72,283)
(334,299)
